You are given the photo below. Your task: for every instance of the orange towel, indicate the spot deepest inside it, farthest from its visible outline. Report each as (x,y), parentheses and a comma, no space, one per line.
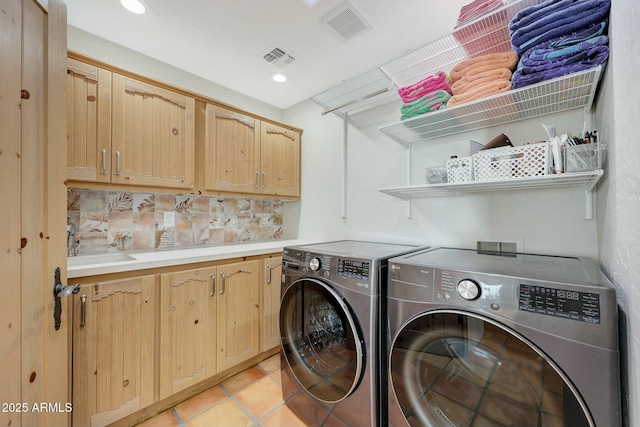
(481,91)
(493,60)
(479,77)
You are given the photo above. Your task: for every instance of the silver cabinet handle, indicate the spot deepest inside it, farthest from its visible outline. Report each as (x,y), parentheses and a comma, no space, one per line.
(213,285)
(83,316)
(264,180)
(117,163)
(223,283)
(271,267)
(257,179)
(104,161)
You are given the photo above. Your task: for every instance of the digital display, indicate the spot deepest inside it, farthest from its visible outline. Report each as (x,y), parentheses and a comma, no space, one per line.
(581,306)
(353,269)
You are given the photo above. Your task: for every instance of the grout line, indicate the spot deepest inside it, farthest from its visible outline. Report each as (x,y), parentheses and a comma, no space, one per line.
(177,417)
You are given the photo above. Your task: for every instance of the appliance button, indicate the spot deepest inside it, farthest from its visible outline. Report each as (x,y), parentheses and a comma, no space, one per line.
(446,296)
(315,264)
(468,289)
(327,274)
(495,306)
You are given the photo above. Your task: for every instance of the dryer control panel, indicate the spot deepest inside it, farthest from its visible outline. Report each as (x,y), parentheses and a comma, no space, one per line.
(575,305)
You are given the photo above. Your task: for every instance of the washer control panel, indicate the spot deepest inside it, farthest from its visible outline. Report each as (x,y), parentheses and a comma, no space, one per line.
(354,269)
(575,305)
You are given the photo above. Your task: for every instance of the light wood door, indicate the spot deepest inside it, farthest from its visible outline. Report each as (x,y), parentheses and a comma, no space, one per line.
(238,313)
(113,350)
(88,122)
(188,332)
(153,135)
(270,305)
(279,160)
(232,147)
(32,212)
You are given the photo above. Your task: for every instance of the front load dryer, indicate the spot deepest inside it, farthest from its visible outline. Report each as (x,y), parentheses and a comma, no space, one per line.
(511,340)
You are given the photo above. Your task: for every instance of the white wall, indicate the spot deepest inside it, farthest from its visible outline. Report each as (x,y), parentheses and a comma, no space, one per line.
(619,197)
(118,56)
(545,221)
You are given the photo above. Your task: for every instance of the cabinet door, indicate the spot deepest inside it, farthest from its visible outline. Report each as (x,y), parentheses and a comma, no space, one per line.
(238,313)
(280,160)
(232,151)
(113,350)
(270,306)
(187,329)
(88,122)
(153,135)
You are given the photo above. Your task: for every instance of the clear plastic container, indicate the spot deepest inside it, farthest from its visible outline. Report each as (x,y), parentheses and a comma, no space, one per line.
(436,175)
(582,158)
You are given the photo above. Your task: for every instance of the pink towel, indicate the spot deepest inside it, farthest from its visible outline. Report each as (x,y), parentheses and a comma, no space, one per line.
(476,9)
(481,91)
(479,76)
(493,60)
(439,81)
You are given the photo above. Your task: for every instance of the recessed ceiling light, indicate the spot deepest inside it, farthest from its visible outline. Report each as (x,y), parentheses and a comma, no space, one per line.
(135,6)
(279,77)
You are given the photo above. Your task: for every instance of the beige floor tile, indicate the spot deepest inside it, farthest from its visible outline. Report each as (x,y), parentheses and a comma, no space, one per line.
(243,379)
(163,419)
(225,414)
(261,397)
(198,403)
(277,376)
(282,417)
(271,364)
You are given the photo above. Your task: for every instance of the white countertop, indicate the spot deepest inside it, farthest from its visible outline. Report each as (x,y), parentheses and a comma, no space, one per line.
(115,263)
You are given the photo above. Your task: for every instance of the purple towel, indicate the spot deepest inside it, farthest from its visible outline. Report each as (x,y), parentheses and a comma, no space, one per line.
(541,54)
(554,18)
(580,61)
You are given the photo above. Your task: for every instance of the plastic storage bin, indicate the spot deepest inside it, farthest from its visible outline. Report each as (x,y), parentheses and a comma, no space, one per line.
(436,175)
(582,158)
(460,170)
(512,162)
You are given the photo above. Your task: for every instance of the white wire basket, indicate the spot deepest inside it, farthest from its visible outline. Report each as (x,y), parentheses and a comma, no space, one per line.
(460,170)
(512,162)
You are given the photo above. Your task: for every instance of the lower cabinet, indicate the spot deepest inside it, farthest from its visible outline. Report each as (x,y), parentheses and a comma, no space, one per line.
(187,329)
(270,304)
(238,313)
(113,350)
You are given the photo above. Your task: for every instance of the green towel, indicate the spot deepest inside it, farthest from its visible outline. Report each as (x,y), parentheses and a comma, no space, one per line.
(430,102)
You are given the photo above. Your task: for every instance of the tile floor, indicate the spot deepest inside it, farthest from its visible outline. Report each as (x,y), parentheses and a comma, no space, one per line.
(251,398)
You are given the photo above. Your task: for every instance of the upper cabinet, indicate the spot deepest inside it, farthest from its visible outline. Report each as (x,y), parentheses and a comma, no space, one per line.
(88,122)
(247,155)
(153,131)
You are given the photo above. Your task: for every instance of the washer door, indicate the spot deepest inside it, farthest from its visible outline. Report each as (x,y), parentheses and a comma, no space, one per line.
(321,340)
(455,369)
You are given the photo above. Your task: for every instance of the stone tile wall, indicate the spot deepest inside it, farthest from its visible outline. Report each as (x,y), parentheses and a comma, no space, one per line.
(112,221)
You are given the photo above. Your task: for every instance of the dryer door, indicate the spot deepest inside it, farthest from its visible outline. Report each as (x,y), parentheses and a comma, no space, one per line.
(455,369)
(321,340)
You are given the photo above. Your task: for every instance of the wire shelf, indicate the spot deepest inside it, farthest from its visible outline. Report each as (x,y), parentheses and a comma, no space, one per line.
(487,34)
(588,179)
(564,93)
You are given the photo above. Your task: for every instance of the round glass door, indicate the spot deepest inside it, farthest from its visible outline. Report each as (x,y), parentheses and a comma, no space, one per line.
(321,340)
(453,369)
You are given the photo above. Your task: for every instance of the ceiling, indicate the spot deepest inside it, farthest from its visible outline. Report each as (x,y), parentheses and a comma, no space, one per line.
(224,41)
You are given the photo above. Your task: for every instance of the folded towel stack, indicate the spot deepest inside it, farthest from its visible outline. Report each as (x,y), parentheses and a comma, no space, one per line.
(482,76)
(559,37)
(429,94)
(475,9)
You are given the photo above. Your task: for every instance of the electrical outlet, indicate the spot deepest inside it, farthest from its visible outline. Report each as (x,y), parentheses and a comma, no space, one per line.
(169,219)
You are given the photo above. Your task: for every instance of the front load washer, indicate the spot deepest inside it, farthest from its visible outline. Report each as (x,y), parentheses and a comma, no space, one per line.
(332,360)
(512,340)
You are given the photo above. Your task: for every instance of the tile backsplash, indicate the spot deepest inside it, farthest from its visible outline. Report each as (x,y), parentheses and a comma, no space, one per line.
(112,221)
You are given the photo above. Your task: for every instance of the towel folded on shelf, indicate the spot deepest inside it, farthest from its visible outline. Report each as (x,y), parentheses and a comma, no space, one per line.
(431,102)
(553,18)
(493,60)
(591,56)
(438,81)
(481,91)
(479,77)
(475,9)
(542,55)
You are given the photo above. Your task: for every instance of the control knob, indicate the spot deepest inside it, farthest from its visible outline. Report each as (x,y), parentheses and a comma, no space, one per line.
(468,289)
(315,264)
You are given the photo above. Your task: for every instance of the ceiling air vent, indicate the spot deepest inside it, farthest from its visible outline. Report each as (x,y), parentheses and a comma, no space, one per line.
(279,56)
(346,21)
